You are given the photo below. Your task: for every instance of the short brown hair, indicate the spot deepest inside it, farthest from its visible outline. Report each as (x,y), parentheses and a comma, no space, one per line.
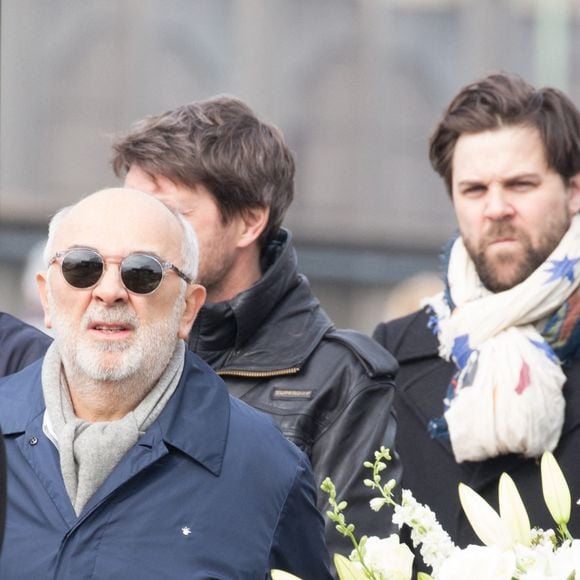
(503,99)
(220,144)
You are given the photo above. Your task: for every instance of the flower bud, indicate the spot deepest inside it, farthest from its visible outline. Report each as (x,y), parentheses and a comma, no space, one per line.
(555,489)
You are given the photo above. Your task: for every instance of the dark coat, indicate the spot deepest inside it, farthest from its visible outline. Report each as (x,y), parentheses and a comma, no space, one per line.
(331,391)
(211,490)
(430,469)
(20,344)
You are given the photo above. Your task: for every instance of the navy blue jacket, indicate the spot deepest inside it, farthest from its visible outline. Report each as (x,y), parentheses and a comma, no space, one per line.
(211,490)
(20,344)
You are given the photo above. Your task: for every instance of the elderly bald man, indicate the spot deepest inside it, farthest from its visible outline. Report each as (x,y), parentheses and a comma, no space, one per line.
(127,457)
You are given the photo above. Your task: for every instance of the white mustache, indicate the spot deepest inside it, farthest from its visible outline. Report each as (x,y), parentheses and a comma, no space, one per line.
(117,315)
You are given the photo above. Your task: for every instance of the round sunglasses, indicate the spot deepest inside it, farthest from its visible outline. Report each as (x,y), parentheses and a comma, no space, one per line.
(82,268)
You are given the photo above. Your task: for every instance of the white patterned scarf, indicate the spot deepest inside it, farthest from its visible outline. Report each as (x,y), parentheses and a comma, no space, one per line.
(506,396)
(89,451)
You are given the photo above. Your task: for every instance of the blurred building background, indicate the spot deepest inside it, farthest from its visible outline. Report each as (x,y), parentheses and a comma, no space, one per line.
(356,86)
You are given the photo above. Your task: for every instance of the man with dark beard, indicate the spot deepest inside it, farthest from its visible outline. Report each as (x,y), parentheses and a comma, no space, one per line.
(490,369)
(127,457)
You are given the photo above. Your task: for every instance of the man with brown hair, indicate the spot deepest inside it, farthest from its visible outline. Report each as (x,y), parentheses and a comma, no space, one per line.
(264,332)
(490,369)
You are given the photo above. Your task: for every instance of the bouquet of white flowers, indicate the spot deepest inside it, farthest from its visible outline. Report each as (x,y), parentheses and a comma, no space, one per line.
(512,549)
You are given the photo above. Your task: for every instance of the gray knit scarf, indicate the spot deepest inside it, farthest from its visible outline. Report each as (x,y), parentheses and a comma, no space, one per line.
(90,451)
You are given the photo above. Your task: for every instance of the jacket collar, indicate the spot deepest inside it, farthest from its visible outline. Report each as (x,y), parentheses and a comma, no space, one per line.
(195,419)
(239,333)
(417,341)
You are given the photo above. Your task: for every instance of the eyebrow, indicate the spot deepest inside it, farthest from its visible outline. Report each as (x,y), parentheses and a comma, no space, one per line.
(523,177)
(148,252)
(507,180)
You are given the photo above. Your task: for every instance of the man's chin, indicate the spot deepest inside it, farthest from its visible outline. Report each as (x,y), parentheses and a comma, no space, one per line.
(107,366)
(108,374)
(501,271)
(500,279)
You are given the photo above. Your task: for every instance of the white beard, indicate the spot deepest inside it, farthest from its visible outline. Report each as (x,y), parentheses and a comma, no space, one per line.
(135,363)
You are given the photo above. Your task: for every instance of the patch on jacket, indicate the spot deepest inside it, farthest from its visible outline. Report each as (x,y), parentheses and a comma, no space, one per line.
(291,394)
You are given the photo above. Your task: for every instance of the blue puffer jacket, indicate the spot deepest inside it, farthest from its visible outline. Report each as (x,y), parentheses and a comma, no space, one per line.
(212,490)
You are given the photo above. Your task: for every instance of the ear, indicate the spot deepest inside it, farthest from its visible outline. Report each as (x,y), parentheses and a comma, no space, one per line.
(194,299)
(574,189)
(252,223)
(42,283)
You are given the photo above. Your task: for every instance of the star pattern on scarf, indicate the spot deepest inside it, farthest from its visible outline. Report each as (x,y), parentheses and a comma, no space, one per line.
(546,349)
(562,269)
(461,351)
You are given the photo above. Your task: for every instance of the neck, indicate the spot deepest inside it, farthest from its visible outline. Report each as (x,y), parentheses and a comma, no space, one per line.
(106,400)
(244,273)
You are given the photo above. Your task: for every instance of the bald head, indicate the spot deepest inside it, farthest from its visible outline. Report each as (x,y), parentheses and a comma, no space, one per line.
(128,218)
(115,325)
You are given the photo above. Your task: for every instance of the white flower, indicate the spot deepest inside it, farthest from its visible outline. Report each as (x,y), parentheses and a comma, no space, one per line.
(555,489)
(543,537)
(513,511)
(534,562)
(485,521)
(377,503)
(281,575)
(387,557)
(436,545)
(478,563)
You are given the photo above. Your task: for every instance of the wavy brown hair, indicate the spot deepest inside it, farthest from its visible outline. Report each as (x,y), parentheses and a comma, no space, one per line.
(503,100)
(218,143)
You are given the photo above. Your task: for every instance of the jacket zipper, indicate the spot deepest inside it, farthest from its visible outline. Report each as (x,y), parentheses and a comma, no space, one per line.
(258,374)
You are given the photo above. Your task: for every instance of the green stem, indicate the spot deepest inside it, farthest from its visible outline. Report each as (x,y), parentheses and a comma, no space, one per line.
(564,532)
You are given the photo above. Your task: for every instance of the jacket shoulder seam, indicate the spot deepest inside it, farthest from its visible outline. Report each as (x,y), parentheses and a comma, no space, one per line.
(373,357)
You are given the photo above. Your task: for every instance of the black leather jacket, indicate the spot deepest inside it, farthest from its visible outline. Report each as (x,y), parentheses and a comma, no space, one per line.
(330,391)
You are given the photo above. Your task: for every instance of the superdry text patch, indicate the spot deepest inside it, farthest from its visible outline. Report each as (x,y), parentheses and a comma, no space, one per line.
(291,394)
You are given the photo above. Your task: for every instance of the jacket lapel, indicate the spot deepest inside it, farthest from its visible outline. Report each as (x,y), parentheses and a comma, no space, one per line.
(195,421)
(423,377)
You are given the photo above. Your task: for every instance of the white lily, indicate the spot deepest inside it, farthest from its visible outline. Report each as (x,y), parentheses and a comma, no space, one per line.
(347,570)
(484,520)
(555,489)
(513,512)
(281,575)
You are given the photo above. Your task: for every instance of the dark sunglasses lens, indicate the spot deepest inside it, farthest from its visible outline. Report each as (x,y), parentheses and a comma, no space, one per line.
(141,274)
(82,268)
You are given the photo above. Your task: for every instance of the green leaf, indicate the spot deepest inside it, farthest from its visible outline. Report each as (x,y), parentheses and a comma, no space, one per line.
(484,520)
(346,570)
(423,576)
(512,511)
(555,489)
